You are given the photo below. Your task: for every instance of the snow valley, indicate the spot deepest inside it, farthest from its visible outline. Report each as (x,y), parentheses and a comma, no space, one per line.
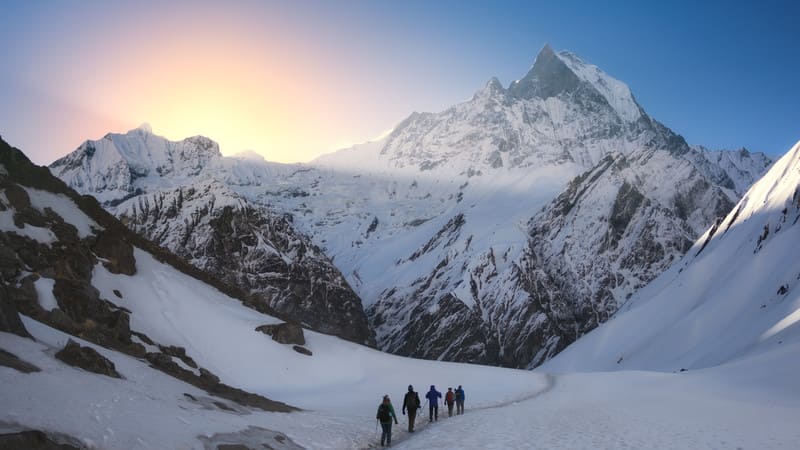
(191,300)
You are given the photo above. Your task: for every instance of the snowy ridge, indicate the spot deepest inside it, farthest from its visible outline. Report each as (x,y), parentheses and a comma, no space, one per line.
(734,295)
(617,93)
(113,167)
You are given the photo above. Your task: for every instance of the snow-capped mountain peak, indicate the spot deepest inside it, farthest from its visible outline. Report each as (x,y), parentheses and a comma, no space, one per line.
(616,93)
(548,77)
(115,167)
(145,128)
(559,73)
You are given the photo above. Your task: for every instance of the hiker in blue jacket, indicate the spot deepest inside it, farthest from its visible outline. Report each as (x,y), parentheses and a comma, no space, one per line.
(459,400)
(433,397)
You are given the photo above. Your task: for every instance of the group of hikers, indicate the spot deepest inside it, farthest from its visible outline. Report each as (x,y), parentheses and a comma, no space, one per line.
(411,403)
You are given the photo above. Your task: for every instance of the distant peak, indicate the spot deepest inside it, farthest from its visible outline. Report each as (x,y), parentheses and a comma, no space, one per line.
(494,83)
(250,155)
(546,51)
(548,77)
(145,127)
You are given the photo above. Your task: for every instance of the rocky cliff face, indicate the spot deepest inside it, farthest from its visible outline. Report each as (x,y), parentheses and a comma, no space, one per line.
(221,233)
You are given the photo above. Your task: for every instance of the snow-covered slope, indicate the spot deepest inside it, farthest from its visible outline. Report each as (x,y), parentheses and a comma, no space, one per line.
(735,295)
(161,189)
(193,370)
(464,232)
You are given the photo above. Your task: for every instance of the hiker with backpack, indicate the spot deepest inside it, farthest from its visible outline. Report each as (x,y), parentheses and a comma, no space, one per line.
(459,400)
(450,400)
(412,403)
(385,415)
(433,397)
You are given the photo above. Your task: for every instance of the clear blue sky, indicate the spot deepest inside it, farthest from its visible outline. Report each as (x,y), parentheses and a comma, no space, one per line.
(722,74)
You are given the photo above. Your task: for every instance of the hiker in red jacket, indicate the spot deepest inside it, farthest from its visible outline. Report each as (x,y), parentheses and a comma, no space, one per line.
(450,400)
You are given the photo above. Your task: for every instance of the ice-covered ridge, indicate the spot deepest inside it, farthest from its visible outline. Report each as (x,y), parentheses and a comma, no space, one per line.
(617,93)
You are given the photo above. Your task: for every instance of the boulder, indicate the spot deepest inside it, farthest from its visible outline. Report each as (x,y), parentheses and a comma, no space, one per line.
(9,317)
(112,245)
(88,359)
(11,360)
(284,333)
(36,440)
(302,350)
(17,196)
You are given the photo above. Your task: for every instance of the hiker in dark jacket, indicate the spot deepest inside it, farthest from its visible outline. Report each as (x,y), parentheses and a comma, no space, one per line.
(412,403)
(433,397)
(385,416)
(450,400)
(459,400)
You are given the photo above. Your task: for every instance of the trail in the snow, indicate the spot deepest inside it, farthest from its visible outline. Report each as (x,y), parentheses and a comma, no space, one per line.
(401,434)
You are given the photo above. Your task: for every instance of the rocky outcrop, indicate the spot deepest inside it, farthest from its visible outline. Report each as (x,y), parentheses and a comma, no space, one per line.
(284,333)
(115,251)
(88,359)
(38,440)
(9,317)
(11,360)
(210,383)
(302,350)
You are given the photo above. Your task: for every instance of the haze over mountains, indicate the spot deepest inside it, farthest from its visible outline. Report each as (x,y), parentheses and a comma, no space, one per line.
(497,231)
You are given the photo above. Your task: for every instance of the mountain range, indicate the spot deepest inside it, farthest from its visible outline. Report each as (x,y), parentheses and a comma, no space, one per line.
(497,231)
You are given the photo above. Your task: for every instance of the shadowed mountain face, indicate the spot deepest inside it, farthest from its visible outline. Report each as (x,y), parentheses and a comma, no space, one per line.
(497,231)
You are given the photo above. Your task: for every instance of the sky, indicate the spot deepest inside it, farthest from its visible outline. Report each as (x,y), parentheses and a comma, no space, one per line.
(294,79)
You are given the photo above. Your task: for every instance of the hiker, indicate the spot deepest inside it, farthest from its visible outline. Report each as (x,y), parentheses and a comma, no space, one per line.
(433,397)
(412,403)
(459,400)
(385,416)
(450,400)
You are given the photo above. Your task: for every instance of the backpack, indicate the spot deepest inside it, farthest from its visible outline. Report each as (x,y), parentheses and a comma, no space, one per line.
(411,401)
(384,414)
(449,397)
